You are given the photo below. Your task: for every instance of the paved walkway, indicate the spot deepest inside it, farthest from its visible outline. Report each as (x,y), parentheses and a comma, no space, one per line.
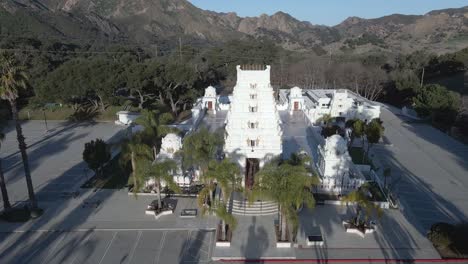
(396,238)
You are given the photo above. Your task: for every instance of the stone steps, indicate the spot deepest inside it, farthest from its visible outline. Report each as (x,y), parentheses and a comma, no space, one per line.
(256,208)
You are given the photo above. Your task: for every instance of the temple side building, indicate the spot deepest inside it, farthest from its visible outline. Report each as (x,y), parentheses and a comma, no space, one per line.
(336,103)
(253,132)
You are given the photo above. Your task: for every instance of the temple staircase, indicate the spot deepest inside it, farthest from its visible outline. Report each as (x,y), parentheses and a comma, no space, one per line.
(241,206)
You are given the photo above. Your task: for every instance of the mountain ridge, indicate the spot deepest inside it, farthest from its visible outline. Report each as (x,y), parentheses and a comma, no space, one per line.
(149,21)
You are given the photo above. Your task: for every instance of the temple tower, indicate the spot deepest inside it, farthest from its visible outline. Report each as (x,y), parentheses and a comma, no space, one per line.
(253,131)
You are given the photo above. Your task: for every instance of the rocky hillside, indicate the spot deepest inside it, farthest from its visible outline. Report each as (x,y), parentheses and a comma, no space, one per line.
(152,21)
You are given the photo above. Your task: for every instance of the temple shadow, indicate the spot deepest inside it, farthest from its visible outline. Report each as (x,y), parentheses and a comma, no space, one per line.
(257,242)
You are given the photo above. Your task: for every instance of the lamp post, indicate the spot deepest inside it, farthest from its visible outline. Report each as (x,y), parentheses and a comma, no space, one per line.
(45,120)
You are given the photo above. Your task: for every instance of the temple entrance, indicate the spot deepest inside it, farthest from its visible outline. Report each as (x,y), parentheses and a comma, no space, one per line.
(252,166)
(296,106)
(210,105)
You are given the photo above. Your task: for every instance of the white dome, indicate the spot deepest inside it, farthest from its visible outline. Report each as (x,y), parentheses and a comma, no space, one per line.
(171,143)
(210,91)
(296,92)
(335,144)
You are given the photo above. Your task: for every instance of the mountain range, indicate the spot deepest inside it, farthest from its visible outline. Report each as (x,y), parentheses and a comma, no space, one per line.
(165,21)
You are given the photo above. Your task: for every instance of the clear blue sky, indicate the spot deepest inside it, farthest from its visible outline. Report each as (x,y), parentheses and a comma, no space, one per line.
(327,12)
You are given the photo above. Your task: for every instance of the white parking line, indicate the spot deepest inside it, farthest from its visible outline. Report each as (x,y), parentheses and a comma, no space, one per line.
(108,247)
(55,247)
(161,245)
(134,248)
(187,245)
(82,243)
(210,246)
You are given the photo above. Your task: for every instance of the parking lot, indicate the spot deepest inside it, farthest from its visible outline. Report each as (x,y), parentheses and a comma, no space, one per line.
(107,246)
(55,157)
(429,171)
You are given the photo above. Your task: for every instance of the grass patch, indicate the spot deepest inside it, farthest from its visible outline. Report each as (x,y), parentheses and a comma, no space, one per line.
(359,156)
(66,113)
(114,176)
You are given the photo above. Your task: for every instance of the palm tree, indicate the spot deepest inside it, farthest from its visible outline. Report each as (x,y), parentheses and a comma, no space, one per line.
(161,170)
(12,79)
(138,153)
(6,200)
(289,184)
(364,206)
(227,176)
(154,127)
(198,150)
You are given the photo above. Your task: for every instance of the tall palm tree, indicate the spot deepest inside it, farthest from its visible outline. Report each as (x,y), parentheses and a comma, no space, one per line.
(161,170)
(154,127)
(289,184)
(12,79)
(137,153)
(227,176)
(198,150)
(6,200)
(365,208)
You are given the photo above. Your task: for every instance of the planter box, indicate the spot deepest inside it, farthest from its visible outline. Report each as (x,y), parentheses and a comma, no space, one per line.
(354,230)
(169,212)
(219,241)
(150,212)
(315,240)
(223,243)
(283,244)
(189,213)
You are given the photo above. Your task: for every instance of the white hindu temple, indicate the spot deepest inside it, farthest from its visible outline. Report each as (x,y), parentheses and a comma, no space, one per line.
(170,145)
(254,122)
(337,172)
(253,132)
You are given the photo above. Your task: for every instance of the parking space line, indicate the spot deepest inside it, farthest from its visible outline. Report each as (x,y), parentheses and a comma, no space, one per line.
(161,245)
(210,246)
(187,244)
(55,247)
(82,243)
(134,248)
(108,247)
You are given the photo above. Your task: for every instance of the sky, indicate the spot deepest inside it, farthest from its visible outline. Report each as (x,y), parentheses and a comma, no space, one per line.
(328,12)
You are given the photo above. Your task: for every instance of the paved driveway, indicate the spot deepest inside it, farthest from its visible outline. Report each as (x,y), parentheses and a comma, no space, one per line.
(429,171)
(55,157)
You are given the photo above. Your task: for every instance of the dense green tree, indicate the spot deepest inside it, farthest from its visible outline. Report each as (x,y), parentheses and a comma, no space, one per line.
(12,80)
(176,80)
(434,98)
(374,131)
(357,127)
(96,153)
